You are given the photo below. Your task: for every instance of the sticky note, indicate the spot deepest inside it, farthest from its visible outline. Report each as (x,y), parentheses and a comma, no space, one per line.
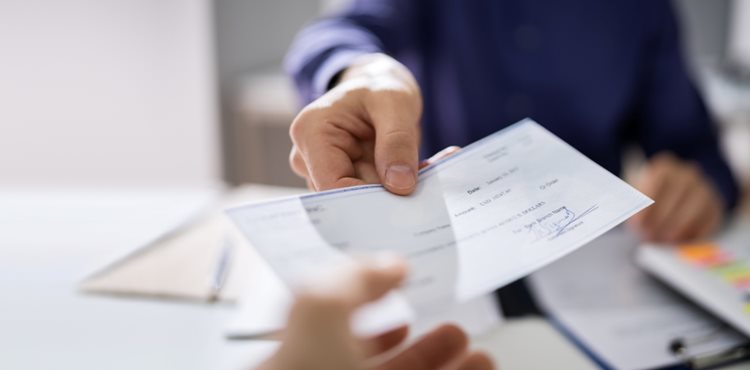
(732,271)
(699,252)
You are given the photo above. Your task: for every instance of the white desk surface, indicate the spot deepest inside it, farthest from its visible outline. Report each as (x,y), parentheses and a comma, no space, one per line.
(50,240)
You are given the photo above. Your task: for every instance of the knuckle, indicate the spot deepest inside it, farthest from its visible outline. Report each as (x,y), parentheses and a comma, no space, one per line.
(339,136)
(296,128)
(293,157)
(302,122)
(295,161)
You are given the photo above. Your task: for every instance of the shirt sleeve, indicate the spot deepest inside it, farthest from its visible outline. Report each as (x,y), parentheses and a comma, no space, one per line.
(671,114)
(329,45)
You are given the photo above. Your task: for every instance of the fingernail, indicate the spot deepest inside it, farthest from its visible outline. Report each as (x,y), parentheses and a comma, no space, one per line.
(400,176)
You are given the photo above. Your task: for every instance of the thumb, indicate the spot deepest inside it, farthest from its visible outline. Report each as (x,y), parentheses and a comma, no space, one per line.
(397,154)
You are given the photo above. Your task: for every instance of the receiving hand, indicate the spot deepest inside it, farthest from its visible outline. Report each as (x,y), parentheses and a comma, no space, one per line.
(364,130)
(686,206)
(318,335)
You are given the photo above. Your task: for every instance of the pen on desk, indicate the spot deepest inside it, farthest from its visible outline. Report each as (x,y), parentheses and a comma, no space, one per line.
(221,270)
(262,335)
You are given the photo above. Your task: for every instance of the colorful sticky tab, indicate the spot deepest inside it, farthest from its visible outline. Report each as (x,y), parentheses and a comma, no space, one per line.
(723,264)
(732,271)
(717,260)
(693,252)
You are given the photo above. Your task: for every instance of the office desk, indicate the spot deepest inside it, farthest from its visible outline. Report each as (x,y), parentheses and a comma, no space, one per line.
(51,240)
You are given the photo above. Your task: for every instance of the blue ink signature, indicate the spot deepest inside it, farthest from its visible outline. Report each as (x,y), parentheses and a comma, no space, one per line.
(575,218)
(557,224)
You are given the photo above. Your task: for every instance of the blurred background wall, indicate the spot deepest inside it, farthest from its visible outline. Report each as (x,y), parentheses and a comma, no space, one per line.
(252,38)
(118,92)
(107,93)
(704,26)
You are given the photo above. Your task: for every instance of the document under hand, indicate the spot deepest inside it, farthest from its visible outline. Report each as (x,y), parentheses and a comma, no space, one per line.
(494,212)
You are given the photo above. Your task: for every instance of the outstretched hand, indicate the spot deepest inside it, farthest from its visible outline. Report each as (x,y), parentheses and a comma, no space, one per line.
(318,335)
(363,131)
(686,207)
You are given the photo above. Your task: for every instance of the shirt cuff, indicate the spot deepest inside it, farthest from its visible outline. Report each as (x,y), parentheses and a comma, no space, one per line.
(721,177)
(336,63)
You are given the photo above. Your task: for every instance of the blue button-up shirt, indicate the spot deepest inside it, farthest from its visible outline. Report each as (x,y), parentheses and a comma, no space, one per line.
(600,74)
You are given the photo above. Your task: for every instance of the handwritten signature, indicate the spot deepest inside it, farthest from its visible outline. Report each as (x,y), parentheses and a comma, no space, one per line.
(557,222)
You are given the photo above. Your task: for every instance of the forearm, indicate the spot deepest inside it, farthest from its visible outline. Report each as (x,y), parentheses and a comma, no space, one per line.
(325,48)
(715,166)
(673,117)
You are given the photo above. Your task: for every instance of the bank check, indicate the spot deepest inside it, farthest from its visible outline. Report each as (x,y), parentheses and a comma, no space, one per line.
(494,212)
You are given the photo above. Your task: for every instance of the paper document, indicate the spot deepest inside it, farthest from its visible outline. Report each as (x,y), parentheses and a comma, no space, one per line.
(625,318)
(181,264)
(497,210)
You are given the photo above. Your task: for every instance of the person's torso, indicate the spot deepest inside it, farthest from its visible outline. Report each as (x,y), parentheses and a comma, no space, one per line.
(573,66)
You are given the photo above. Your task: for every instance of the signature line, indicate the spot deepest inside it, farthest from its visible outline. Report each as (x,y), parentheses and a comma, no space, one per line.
(591,209)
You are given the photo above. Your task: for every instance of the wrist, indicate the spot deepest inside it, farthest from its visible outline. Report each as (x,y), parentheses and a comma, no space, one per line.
(377,67)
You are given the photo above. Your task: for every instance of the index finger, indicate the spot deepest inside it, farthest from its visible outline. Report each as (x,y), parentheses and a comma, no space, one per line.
(330,167)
